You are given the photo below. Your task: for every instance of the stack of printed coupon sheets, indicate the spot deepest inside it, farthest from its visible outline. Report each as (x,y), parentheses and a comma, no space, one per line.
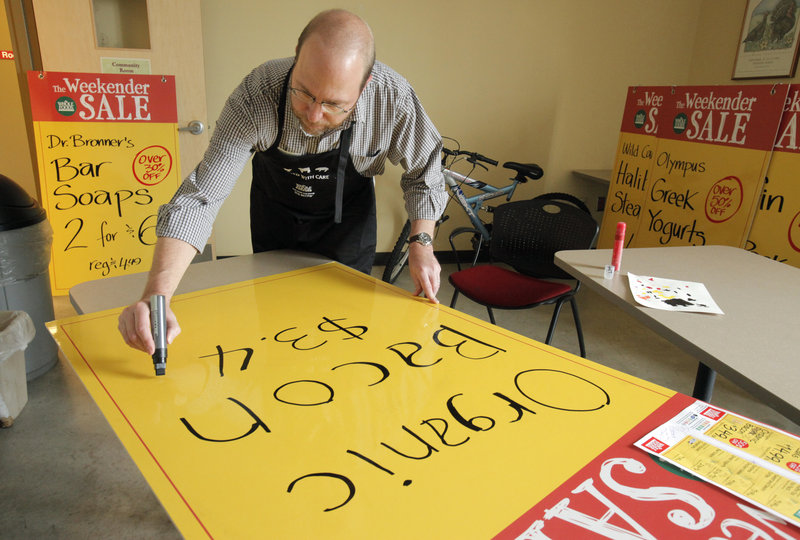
(756,462)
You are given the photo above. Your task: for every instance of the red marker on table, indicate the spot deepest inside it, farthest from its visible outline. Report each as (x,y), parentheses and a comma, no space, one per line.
(619,241)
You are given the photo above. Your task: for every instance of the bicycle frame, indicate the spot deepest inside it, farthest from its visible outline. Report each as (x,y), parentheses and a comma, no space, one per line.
(473,204)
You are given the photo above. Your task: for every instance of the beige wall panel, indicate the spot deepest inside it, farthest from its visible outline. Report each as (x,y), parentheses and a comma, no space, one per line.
(521,80)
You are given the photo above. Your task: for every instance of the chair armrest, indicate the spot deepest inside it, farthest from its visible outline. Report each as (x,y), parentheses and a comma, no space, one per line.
(462,230)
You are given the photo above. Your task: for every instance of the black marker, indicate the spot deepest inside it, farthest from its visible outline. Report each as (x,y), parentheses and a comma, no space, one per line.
(158,320)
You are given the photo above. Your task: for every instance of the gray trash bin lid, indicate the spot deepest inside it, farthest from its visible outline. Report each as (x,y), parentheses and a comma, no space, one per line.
(17,208)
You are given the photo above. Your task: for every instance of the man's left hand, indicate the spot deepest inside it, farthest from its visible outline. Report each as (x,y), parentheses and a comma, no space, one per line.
(425,270)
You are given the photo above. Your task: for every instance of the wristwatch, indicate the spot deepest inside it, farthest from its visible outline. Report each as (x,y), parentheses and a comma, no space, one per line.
(422,238)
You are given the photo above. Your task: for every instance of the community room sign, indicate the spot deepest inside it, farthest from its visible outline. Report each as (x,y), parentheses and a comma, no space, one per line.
(107,150)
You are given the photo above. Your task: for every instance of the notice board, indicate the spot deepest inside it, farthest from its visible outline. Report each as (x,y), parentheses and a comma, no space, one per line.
(107,152)
(713,147)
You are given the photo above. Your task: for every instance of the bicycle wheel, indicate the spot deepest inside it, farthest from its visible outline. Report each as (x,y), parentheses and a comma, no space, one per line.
(398,257)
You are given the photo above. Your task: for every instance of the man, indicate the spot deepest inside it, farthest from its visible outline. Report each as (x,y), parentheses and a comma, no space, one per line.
(318,126)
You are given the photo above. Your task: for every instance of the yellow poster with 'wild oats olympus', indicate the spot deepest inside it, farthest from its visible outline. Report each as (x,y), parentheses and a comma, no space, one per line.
(709,166)
(630,177)
(776,228)
(107,151)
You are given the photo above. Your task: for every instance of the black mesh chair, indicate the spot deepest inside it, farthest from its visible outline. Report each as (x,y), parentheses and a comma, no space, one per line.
(525,236)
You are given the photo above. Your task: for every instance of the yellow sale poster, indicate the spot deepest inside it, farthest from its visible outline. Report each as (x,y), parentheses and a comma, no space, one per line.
(107,151)
(776,228)
(709,166)
(322,403)
(630,178)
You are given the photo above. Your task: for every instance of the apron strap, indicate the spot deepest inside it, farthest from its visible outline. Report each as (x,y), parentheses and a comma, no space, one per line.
(344,148)
(344,155)
(281,108)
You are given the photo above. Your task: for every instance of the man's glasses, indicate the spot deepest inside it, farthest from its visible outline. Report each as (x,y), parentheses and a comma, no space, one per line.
(308,99)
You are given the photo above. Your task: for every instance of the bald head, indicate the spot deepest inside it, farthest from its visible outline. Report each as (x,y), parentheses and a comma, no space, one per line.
(344,36)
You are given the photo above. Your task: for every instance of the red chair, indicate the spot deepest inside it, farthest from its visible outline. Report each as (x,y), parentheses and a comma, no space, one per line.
(525,236)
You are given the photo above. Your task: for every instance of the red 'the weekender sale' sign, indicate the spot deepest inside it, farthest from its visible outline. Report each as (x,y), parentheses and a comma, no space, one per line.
(90,97)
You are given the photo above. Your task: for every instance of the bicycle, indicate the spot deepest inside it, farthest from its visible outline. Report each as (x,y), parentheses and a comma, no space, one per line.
(470,205)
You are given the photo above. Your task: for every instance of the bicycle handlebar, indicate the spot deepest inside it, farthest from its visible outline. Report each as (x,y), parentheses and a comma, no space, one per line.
(472,157)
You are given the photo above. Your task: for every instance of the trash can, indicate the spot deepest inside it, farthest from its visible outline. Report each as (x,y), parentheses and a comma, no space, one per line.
(16,331)
(25,240)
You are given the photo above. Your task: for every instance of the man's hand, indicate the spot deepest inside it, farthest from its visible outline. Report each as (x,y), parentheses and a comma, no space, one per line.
(422,263)
(425,270)
(134,325)
(170,260)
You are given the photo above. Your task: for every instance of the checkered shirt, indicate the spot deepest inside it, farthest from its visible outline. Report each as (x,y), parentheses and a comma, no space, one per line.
(388,123)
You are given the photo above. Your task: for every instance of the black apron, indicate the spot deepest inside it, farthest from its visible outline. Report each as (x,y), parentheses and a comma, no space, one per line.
(314,202)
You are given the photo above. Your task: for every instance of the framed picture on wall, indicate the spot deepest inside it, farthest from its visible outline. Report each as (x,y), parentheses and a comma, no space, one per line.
(768,42)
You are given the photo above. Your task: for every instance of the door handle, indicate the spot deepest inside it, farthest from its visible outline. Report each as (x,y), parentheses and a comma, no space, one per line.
(195,127)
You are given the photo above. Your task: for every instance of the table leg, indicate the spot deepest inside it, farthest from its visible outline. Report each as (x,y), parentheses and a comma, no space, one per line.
(704,382)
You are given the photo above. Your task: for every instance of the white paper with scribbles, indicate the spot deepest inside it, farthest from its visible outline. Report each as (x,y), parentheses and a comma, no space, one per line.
(672,295)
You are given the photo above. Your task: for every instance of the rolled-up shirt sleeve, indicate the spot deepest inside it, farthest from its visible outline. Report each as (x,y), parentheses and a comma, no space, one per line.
(417,147)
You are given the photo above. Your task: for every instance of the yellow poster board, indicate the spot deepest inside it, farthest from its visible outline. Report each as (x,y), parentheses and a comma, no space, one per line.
(322,403)
(776,228)
(701,201)
(630,178)
(107,151)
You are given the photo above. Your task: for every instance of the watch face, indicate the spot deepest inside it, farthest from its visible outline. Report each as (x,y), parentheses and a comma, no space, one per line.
(422,238)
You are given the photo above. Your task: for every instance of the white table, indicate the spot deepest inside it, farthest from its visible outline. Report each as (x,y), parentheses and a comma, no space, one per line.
(754,344)
(599,176)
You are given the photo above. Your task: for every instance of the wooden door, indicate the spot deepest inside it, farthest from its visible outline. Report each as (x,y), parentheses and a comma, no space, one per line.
(168,33)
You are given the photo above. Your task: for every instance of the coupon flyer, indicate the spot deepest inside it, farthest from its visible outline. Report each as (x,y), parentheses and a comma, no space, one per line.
(758,463)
